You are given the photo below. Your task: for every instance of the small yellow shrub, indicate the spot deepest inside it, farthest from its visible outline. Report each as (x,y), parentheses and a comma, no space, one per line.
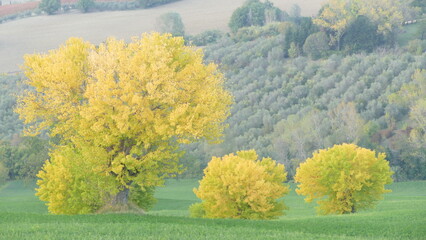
(345,178)
(72,183)
(241,186)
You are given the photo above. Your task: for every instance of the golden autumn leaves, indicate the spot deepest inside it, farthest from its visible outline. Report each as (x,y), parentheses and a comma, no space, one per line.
(120,111)
(344,179)
(241,186)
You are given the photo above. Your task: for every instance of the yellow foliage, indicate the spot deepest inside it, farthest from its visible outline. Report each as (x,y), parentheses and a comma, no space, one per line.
(388,14)
(336,15)
(72,181)
(134,101)
(344,178)
(241,186)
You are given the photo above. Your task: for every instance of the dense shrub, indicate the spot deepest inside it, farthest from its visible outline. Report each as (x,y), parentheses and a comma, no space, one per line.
(241,186)
(297,33)
(72,182)
(345,178)
(23,157)
(254,13)
(361,35)
(205,38)
(316,45)
(245,34)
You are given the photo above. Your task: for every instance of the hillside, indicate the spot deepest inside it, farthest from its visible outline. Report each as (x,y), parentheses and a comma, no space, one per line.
(41,33)
(285,107)
(288,108)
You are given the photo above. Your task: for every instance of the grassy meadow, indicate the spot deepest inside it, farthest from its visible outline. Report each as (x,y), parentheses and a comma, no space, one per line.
(401,215)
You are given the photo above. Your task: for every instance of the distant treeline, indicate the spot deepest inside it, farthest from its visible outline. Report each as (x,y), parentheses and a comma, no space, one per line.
(14,11)
(153,3)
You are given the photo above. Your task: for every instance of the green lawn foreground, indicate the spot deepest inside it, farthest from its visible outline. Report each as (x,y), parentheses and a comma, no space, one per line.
(401,215)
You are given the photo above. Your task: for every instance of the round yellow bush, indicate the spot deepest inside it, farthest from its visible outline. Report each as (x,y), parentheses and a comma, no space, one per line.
(241,186)
(345,178)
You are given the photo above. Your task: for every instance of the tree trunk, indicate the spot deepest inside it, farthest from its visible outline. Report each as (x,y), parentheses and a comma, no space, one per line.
(120,203)
(122,197)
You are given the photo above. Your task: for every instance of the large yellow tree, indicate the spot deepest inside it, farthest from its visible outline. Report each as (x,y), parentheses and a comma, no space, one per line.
(131,103)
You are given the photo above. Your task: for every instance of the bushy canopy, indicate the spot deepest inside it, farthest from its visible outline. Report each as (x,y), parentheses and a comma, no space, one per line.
(241,186)
(345,178)
(121,108)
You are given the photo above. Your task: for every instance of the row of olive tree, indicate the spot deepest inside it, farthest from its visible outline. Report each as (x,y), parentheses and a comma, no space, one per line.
(268,90)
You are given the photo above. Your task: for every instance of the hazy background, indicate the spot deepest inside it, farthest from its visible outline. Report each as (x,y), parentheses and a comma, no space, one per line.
(41,33)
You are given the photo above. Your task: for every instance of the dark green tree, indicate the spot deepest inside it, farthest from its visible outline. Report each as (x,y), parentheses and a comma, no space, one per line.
(239,19)
(254,13)
(298,32)
(24,157)
(316,45)
(361,35)
(206,37)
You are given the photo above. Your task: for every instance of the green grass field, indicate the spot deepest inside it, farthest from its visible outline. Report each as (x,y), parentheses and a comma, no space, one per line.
(401,215)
